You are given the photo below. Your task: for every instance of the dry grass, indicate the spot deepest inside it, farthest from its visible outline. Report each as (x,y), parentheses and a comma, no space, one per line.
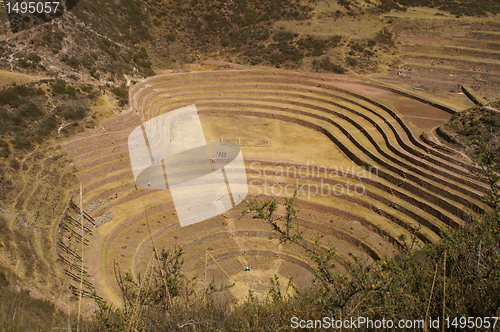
(9,78)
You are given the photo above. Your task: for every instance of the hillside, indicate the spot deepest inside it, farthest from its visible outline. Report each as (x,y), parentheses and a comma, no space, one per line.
(477,123)
(129,39)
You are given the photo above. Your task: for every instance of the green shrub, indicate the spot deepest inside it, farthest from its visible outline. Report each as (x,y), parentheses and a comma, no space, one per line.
(87,61)
(35,58)
(14,164)
(353,62)
(142,54)
(358,48)
(4,149)
(388,5)
(22,143)
(31,112)
(54,40)
(385,37)
(283,36)
(23,64)
(27,91)
(276,59)
(87,88)
(17,121)
(59,87)
(72,62)
(12,96)
(459,8)
(121,92)
(284,52)
(327,65)
(317,47)
(47,126)
(9,97)
(335,40)
(345,3)
(369,53)
(3,280)
(73,112)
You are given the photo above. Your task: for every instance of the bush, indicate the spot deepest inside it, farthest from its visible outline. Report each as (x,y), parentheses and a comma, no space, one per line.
(369,53)
(47,126)
(72,62)
(34,58)
(30,112)
(283,37)
(23,64)
(316,46)
(73,112)
(14,164)
(385,37)
(142,54)
(11,96)
(327,65)
(4,149)
(122,93)
(459,8)
(59,87)
(276,59)
(21,143)
(3,280)
(358,48)
(284,52)
(353,62)
(388,5)
(22,312)
(345,3)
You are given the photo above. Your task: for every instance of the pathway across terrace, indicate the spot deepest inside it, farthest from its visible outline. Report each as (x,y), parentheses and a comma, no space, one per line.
(366,182)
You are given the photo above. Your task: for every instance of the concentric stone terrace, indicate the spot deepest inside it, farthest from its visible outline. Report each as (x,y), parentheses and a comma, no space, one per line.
(366,183)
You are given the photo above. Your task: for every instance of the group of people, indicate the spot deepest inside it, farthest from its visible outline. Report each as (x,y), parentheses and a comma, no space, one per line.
(219,154)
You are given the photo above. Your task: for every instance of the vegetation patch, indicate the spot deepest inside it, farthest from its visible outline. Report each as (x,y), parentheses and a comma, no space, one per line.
(29,117)
(121,92)
(459,8)
(327,65)
(19,311)
(479,123)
